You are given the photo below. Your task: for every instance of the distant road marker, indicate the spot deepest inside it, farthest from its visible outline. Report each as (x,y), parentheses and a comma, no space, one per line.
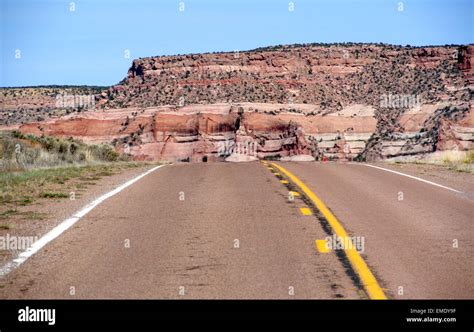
(371,285)
(306,211)
(284,181)
(321,246)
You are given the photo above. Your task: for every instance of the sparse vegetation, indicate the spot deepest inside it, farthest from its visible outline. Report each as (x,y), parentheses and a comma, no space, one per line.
(37,103)
(28,187)
(44,168)
(23,152)
(49,194)
(459,161)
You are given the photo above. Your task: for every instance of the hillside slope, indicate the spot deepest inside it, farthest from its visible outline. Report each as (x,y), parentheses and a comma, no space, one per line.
(348,101)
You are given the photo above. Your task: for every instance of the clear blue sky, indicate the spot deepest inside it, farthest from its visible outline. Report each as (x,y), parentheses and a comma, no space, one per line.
(87,46)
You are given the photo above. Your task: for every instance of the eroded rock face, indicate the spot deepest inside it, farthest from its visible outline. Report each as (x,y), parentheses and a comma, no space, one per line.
(360,102)
(425,129)
(199,133)
(330,76)
(191,133)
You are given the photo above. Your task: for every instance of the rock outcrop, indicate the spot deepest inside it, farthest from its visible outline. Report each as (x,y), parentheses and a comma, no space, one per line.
(352,101)
(214,132)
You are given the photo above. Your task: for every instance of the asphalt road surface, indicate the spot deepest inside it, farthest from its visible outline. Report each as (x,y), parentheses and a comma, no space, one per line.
(227,231)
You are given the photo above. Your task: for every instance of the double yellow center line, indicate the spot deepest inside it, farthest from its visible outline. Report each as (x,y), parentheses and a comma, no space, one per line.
(370,284)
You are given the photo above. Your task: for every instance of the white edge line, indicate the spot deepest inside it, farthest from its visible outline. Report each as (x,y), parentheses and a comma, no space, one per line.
(66,224)
(410,176)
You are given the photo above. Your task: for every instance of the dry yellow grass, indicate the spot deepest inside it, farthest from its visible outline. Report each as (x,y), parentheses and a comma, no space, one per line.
(460,161)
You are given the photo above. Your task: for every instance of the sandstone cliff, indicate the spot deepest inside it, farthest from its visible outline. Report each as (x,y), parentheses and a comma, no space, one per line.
(329,101)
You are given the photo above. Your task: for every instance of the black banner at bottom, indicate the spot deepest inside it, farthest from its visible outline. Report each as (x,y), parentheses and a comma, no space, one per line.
(399,314)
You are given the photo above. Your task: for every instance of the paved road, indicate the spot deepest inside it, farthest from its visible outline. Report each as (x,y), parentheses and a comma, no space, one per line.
(229,231)
(408,242)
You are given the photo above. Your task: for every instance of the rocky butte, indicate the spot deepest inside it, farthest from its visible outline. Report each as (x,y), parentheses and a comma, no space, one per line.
(335,101)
